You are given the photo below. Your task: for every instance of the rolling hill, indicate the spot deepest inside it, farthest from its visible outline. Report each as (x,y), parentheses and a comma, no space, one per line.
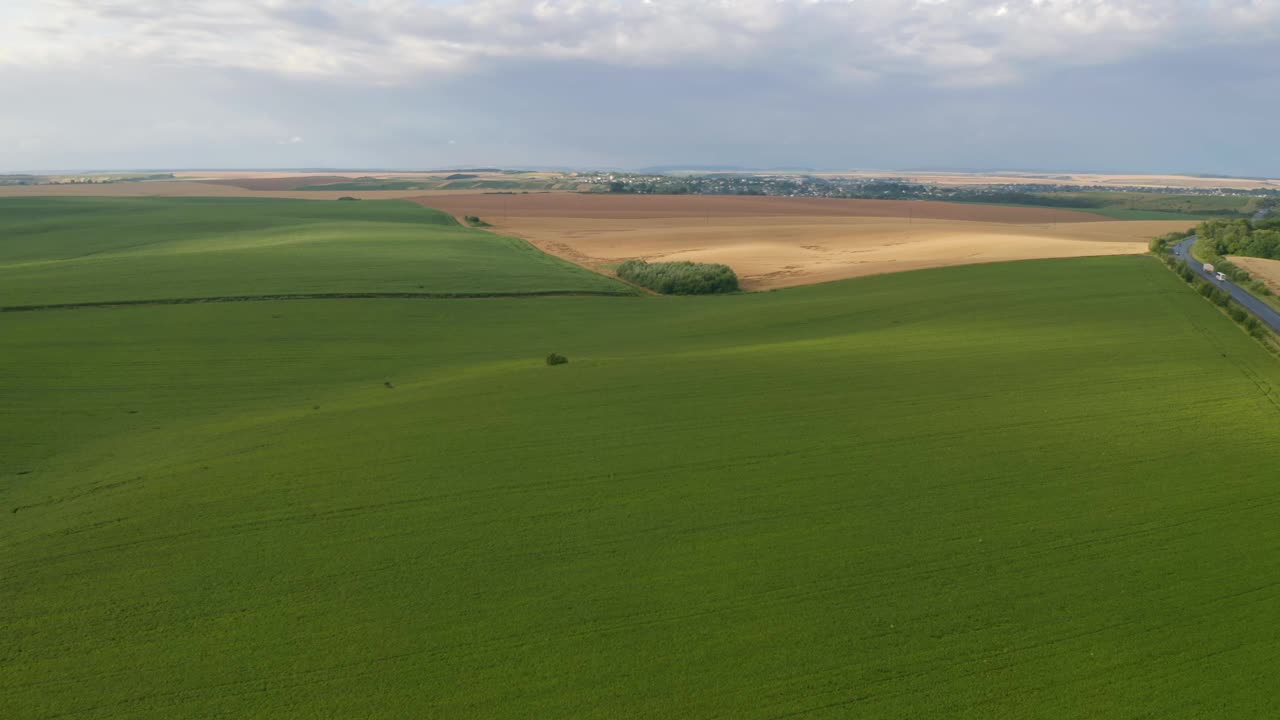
(1036,489)
(107,250)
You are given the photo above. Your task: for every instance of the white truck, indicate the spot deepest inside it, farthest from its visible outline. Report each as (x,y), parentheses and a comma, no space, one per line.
(1220,276)
(1208,267)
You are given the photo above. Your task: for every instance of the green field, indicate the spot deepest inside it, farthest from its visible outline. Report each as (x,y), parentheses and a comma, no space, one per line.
(1123,213)
(1030,490)
(1116,213)
(1162,206)
(87,250)
(1134,205)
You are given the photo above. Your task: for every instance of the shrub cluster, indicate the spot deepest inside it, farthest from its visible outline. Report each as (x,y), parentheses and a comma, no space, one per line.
(1257,287)
(1165,243)
(1235,273)
(475,221)
(557,359)
(680,278)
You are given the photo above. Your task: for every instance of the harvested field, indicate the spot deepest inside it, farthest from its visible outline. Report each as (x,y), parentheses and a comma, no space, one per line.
(783,242)
(1268,271)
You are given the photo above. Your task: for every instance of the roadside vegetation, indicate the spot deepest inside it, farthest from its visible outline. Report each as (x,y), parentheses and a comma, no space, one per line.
(1222,299)
(680,278)
(1219,238)
(1165,243)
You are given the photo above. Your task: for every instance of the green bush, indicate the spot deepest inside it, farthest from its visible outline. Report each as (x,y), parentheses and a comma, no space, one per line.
(557,359)
(1164,242)
(1236,273)
(680,278)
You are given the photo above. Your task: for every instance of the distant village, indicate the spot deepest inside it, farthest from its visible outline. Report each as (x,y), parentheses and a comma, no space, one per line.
(788,185)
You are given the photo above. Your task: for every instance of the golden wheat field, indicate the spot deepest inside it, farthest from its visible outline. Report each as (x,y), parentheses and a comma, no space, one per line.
(776,242)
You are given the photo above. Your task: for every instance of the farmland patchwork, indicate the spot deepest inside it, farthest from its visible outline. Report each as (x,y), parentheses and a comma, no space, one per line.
(1021,490)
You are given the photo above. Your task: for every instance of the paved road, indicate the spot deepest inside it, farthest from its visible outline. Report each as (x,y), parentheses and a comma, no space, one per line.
(1263,311)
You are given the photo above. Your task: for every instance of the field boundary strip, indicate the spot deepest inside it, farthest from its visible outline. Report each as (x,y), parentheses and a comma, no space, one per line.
(318,296)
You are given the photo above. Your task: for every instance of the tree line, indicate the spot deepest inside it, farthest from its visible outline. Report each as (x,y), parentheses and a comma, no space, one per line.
(1239,237)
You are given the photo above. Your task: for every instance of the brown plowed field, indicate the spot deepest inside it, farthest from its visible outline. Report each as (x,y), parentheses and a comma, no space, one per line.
(782,242)
(491,206)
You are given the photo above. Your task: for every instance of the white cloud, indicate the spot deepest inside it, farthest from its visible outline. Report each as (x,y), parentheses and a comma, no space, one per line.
(1126,84)
(950,42)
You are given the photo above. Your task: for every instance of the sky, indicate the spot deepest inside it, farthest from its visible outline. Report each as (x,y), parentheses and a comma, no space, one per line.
(1068,85)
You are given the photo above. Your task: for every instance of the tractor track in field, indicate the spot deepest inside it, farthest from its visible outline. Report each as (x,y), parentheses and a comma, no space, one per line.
(314,296)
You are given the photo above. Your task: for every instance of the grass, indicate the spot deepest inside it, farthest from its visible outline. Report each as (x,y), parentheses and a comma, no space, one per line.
(84,250)
(1151,206)
(1127,214)
(1038,489)
(1164,206)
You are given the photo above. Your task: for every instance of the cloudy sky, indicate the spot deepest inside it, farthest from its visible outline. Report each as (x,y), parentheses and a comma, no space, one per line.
(1118,85)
